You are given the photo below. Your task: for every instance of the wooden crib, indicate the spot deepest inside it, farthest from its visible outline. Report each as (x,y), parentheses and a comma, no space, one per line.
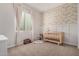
(56,37)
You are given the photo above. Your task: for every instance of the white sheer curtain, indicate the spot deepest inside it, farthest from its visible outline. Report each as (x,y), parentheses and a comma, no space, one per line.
(18,12)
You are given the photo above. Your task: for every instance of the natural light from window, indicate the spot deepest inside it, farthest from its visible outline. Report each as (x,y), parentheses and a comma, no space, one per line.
(26,22)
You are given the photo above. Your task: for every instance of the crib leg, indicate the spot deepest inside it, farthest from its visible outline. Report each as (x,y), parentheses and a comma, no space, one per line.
(58,43)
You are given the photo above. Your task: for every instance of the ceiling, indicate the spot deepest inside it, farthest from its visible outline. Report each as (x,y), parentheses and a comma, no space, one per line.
(42,7)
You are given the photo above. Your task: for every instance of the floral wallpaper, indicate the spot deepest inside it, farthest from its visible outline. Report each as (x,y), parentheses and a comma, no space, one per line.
(62,19)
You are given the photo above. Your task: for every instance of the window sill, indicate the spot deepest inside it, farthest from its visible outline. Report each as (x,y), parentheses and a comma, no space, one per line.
(23,31)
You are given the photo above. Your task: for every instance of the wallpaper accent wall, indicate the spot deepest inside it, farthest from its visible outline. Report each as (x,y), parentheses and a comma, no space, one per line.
(62,19)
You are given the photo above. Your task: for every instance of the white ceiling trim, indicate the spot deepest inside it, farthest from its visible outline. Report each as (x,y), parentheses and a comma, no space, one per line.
(42,7)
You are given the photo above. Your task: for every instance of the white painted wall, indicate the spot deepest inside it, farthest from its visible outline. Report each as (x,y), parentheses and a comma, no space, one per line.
(37,24)
(78,22)
(7,22)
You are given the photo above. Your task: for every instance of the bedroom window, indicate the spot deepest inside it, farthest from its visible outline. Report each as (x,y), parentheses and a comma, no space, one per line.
(26,22)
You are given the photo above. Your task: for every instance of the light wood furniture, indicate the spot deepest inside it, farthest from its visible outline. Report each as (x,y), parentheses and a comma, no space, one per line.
(56,37)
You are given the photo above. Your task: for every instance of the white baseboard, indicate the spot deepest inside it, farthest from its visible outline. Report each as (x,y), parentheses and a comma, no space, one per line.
(70,43)
(11,46)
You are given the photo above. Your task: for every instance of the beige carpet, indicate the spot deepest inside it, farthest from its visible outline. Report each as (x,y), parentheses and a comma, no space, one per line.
(43,49)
